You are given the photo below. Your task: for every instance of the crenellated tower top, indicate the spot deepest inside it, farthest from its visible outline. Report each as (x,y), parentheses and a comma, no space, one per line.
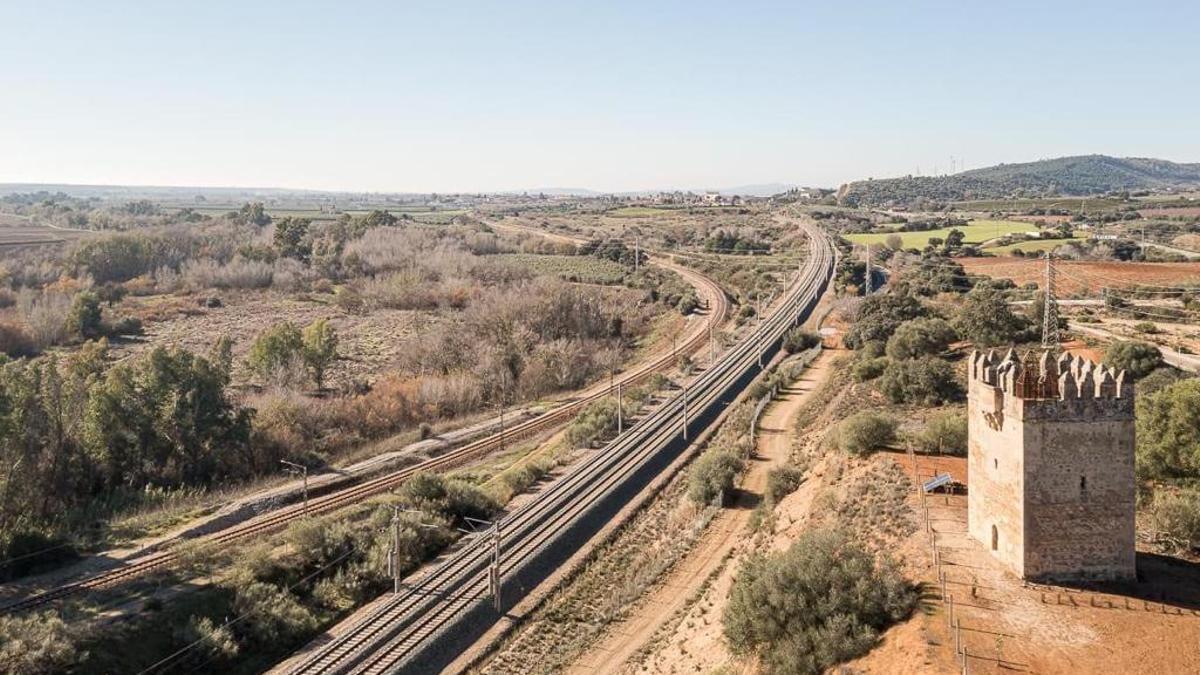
(1045,377)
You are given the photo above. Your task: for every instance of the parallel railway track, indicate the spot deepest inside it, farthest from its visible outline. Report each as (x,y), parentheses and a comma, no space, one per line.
(282,517)
(420,629)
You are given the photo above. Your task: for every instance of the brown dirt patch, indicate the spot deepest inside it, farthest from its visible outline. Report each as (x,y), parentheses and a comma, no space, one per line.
(369,345)
(1085,277)
(1186,211)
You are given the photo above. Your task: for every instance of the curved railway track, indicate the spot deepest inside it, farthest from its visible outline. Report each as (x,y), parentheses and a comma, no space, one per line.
(333,501)
(422,628)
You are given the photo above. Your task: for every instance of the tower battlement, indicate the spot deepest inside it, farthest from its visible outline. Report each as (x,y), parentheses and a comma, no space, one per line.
(1050,457)
(1066,378)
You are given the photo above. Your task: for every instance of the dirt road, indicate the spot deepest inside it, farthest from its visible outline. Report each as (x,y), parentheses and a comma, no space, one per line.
(774,443)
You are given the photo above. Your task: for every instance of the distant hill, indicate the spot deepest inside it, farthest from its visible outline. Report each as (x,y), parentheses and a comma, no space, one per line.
(1067,176)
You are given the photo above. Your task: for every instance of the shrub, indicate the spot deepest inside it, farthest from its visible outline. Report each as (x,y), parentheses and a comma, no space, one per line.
(986,320)
(84,320)
(798,340)
(879,315)
(1159,379)
(129,325)
(1168,431)
(15,340)
(272,614)
(920,337)
(37,643)
(927,381)
(212,641)
(782,481)
(596,421)
(863,432)
(449,498)
(869,369)
(1176,519)
(1138,359)
(712,475)
(275,350)
(320,349)
(45,314)
(946,433)
(1147,327)
(821,602)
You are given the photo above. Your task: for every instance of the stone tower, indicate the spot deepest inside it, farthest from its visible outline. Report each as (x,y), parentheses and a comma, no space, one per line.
(1050,463)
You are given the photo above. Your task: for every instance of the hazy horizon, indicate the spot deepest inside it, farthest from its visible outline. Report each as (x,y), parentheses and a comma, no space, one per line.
(616,98)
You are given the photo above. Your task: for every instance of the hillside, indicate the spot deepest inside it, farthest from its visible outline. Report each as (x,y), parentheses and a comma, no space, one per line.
(1083,175)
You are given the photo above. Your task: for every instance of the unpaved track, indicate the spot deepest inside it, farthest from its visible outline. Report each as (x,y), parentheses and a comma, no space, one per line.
(774,443)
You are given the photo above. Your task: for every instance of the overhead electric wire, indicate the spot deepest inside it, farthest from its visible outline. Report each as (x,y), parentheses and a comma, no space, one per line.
(186,648)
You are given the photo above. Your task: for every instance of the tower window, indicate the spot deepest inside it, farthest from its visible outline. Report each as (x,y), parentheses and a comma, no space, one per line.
(995,463)
(995,538)
(1083,488)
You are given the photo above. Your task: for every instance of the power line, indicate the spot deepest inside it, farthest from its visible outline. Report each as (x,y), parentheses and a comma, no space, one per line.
(186,648)
(1050,337)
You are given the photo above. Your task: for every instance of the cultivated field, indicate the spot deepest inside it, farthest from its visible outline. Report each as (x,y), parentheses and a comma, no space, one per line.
(1095,274)
(978,231)
(17,231)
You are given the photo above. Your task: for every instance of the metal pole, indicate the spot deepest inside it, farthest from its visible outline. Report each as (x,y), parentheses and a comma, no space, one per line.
(637,256)
(396,550)
(620,421)
(303,470)
(496,569)
(685,415)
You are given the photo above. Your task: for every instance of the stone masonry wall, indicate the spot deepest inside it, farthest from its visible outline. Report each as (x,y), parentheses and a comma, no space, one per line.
(1079,494)
(1051,466)
(995,468)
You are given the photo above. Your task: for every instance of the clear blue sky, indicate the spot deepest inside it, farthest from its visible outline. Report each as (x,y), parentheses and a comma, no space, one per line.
(455,95)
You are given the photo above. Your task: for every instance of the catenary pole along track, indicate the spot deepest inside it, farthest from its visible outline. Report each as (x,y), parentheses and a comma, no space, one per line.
(421,628)
(280,518)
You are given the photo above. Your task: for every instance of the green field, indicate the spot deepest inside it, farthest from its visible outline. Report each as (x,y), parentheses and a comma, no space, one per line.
(1034,245)
(582,268)
(977,232)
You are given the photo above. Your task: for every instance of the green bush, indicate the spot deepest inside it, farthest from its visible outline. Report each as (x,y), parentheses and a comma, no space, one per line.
(986,320)
(1137,359)
(1176,519)
(1147,327)
(920,337)
(712,475)
(879,315)
(946,433)
(864,370)
(84,320)
(272,614)
(277,350)
(32,644)
(823,601)
(449,498)
(798,340)
(782,481)
(1168,431)
(926,381)
(863,432)
(597,421)
(1159,379)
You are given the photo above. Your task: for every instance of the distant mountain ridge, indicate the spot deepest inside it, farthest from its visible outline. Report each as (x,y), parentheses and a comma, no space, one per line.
(1064,176)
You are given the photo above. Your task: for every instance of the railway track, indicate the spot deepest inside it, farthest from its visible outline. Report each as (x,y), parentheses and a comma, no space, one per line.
(422,628)
(333,501)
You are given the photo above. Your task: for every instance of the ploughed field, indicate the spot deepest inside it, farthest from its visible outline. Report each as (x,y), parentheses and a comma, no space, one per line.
(1096,273)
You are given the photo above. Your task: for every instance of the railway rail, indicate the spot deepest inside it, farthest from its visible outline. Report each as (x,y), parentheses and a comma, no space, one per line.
(333,501)
(422,628)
